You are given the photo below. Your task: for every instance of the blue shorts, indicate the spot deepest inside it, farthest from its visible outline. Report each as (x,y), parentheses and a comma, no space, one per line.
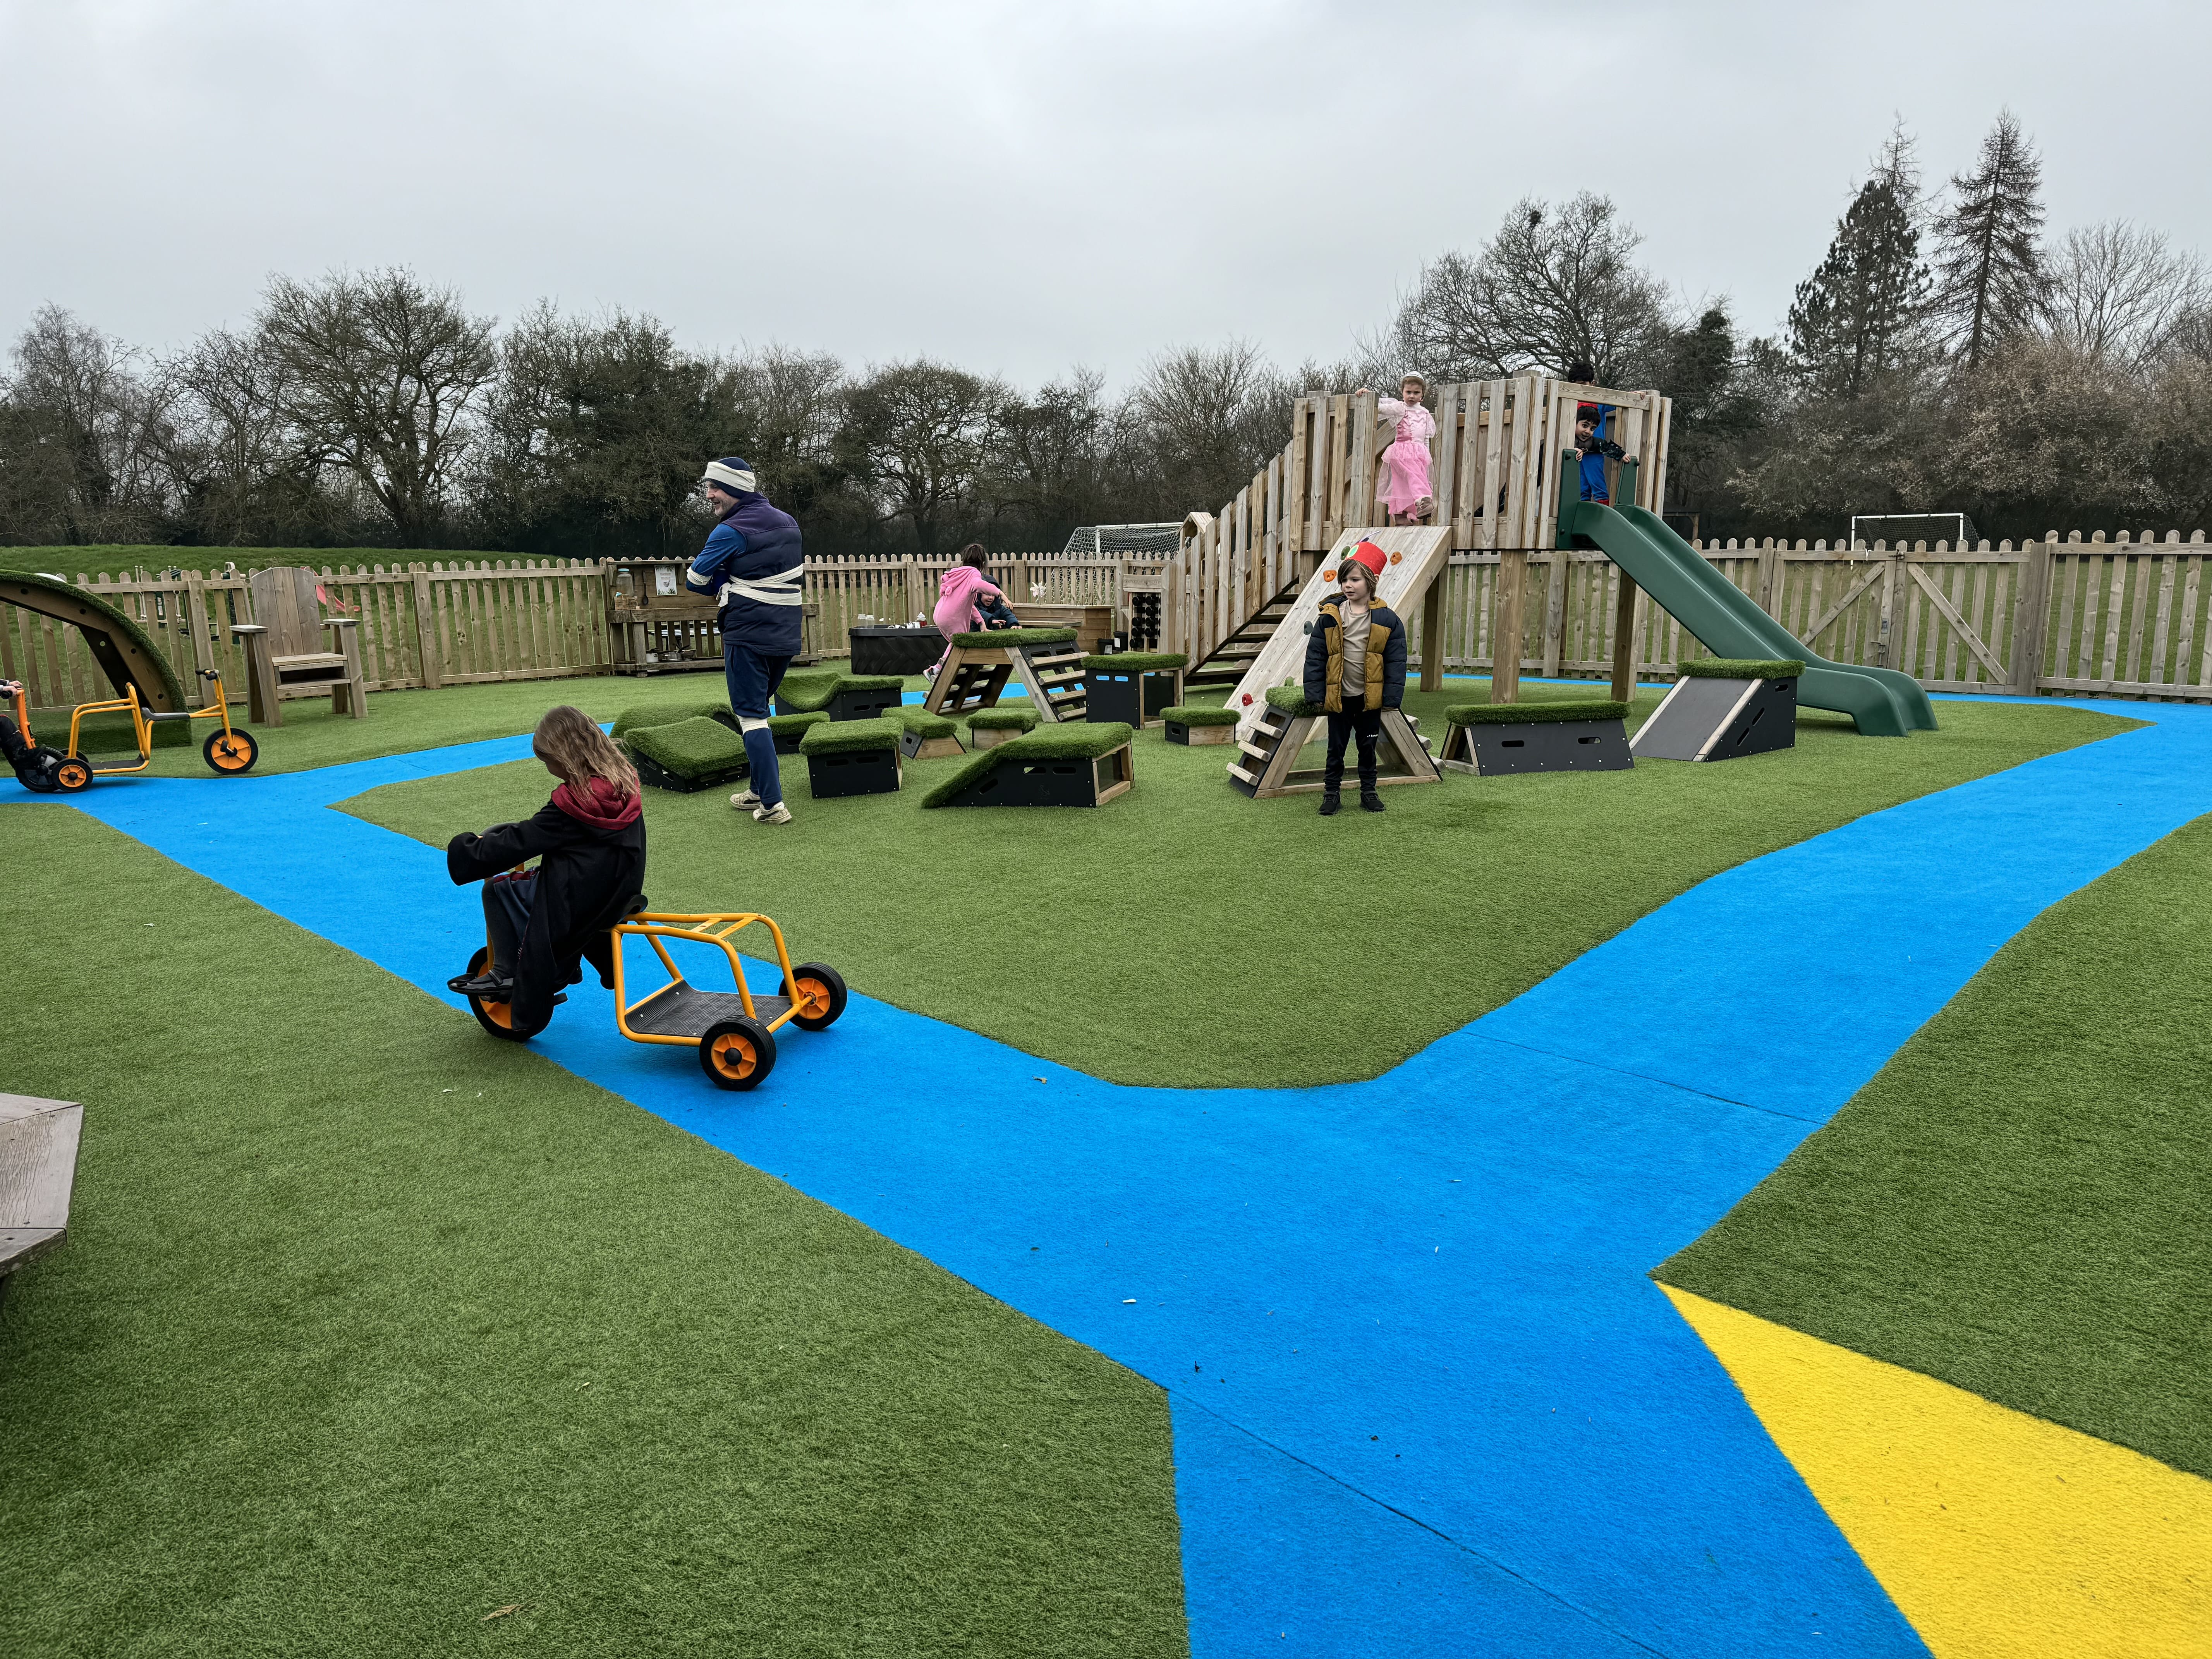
(753,679)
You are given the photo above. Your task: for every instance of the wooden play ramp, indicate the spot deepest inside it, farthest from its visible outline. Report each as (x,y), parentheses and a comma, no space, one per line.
(1266,763)
(1048,661)
(1416,553)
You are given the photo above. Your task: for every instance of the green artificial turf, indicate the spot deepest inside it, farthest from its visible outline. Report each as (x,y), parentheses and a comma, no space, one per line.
(689,748)
(368,1326)
(784,724)
(1195,714)
(1291,700)
(1185,870)
(1068,740)
(1742,668)
(915,718)
(1005,718)
(1524,713)
(2016,1203)
(1137,662)
(714,708)
(994,638)
(806,693)
(850,737)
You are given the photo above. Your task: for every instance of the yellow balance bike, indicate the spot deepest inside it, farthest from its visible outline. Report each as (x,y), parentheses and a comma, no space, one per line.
(733,1031)
(229,752)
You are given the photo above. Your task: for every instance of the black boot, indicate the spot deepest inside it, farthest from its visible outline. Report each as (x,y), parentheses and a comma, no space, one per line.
(1330,802)
(1371,801)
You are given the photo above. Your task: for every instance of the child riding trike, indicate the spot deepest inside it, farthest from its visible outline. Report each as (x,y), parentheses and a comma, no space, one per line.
(228,752)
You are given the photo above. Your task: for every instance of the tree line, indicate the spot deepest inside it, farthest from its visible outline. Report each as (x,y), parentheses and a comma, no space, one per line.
(1944,353)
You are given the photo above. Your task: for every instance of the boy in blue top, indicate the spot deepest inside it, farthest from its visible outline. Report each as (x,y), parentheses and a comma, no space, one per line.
(753,563)
(1596,448)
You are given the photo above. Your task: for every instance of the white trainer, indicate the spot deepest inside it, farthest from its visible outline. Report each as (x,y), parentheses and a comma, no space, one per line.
(778,813)
(745,800)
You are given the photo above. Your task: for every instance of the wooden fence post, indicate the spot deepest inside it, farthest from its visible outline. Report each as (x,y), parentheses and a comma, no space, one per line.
(1432,630)
(2030,614)
(1623,640)
(426,631)
(1506,627)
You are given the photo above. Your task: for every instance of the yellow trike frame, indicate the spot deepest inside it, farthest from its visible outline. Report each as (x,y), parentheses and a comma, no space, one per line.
(707,928)
(230,751)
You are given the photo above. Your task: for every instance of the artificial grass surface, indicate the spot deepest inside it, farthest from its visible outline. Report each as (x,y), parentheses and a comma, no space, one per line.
(2016,1203)
(851,737)
(1483,885)
(1137,662)
(1005,718)
(369,1326)
(804,693)
(1189,714)
(1068,740)
(915,718)
(1528,713)
(688,748)
(1742,668)
(997,638)
(630,719)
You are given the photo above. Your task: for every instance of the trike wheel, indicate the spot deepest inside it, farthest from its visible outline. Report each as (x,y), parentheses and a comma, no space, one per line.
(819,998)
(737,1053)
(231,752)
(74,773)
(36,770)
(497,1017)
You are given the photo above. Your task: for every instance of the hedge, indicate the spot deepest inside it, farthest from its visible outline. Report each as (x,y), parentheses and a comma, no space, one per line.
(1137,662)
(1741,668)
(1199,714)
(996,637)
(1530,714)
(688,747)
(1071,740)
(847,736)
(1003,719)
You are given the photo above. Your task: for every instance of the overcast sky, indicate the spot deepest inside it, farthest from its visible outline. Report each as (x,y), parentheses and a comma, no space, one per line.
(1015,188)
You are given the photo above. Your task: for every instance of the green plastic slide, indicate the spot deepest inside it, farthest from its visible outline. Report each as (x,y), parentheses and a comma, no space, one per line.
(1727,622)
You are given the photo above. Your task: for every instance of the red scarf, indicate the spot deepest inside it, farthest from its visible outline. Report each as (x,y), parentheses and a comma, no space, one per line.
(599,804)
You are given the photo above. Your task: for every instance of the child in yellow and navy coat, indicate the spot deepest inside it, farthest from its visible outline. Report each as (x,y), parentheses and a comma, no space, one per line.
(1355,669)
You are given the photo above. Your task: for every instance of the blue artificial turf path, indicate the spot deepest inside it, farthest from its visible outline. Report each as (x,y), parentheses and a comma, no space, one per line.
(1426,1399)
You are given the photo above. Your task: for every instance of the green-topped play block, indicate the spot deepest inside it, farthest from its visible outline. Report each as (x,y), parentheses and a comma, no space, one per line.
(1199,724)
(1742,668)
(687,755)
(1067,765)
(841,696)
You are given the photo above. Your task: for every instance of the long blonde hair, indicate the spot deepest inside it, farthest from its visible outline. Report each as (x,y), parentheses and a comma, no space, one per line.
(568,739)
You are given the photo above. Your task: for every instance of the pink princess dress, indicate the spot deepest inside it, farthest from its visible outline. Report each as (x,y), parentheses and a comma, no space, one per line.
(1404,485)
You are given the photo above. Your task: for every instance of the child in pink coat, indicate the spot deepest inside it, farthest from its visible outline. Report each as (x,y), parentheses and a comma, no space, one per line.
(965,596)
(1403,487)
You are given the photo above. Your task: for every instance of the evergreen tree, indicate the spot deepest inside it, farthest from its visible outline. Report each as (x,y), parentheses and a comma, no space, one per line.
(1858,315)
(1990,278)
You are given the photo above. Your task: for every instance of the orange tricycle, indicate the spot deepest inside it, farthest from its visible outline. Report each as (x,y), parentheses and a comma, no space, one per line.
(228,752)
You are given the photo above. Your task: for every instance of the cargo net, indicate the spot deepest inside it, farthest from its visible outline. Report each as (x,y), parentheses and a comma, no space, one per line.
(1107,540)
(1896,530)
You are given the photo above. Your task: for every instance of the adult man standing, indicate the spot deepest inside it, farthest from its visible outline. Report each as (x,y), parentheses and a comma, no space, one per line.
(753,563)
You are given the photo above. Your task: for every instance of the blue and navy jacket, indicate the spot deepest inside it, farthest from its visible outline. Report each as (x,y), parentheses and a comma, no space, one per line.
(754,565)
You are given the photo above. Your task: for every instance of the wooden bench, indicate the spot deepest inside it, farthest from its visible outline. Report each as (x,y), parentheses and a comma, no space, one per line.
(37,1170)
(282,655)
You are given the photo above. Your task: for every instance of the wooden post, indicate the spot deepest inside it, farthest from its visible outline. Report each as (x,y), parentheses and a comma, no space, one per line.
(1432,628)
(1505,629)
(426,631)
(196,616)
(1624,641)
(2030,615)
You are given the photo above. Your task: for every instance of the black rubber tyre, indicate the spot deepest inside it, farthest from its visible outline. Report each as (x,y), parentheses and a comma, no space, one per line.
(737,1053)
(496,1017)
(74,774)
(231,752)
(829,986)
(35,770)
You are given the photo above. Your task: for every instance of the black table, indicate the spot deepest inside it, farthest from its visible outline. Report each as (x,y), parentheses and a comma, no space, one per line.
(894,650)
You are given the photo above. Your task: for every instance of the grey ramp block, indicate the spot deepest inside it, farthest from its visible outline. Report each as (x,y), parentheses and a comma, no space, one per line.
(1702,720)
(1500,751)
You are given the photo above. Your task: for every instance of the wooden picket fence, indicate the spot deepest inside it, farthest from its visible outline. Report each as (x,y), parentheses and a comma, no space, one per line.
(1491,465)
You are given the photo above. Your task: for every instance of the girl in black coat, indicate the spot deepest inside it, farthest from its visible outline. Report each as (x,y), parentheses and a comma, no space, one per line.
(589,841)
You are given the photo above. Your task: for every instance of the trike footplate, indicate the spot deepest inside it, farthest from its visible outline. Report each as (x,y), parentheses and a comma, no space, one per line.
(678,1010)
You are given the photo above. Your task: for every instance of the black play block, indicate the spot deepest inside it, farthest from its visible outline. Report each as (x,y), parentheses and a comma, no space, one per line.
(1712,720)
(1114,697)
(853,772)
(863,705)
(1505,750)
(651,773)
(1071,782)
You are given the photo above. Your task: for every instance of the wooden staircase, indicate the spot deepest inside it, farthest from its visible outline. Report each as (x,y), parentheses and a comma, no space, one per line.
(1267,760)
(1060,688)
(1225,664)
(975,677)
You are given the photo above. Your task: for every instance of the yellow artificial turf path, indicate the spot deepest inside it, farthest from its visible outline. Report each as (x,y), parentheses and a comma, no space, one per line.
(1999,1535)
(368,1328)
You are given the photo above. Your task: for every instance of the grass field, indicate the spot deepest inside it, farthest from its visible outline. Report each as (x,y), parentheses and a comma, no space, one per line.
(2015,1204)
(1187,936)
(367,1329)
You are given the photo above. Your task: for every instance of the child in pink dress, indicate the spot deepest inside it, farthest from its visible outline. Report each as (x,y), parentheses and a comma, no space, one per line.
(1403,487)
(964,593)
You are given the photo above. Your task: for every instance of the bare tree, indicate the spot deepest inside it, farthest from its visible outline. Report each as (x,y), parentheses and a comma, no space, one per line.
(922,433)
(1989,282)
(1553,286)
(379,371)
(2118,291)
(788,409)
(1200,420)
(74,465)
